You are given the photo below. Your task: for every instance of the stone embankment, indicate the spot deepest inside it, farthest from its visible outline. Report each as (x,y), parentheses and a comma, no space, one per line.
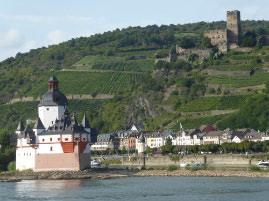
(201,173)
(96,174)
(101,174)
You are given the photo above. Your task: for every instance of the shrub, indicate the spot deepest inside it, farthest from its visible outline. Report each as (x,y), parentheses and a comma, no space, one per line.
(172,167)
(11,166)
(255,168)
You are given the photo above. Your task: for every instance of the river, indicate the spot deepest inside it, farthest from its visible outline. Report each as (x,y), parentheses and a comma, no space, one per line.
(139,188)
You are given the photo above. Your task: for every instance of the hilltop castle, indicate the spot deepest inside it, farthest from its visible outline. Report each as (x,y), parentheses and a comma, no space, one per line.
(229,38)
(57,141)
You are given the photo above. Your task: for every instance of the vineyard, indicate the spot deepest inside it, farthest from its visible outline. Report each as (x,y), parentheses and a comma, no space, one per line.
(215,103)
(89,82)
(241,67)
(237,82)
(132,65)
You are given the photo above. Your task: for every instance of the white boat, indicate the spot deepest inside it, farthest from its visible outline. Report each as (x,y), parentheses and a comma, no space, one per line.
(184,164)
(95,163)
(263,163)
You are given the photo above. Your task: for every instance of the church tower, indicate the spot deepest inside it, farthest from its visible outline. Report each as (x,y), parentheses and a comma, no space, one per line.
(234,27)
(52,105)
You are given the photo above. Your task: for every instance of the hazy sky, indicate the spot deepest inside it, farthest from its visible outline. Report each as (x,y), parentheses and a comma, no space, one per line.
(29,24)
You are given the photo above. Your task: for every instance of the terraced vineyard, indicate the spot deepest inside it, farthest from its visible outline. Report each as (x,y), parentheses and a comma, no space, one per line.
(138,61)
(237,82)
(90,82)
(215,103)
(135,65)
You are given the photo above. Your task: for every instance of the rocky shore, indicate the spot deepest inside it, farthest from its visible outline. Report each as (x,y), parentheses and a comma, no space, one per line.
(100,174)
(97,174)
(201,173)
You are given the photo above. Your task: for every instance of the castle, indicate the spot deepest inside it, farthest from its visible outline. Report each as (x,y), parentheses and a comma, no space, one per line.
(57,141)
(229,38)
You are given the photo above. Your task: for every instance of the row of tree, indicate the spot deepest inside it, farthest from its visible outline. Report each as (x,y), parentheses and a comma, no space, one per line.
(245,146)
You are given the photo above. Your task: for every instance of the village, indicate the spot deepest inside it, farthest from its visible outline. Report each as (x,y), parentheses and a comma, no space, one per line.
(205,135)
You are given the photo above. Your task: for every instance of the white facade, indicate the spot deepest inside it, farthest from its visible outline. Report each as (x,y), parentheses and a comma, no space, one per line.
(48,114)
(25,155)
(185,139)
(154,142)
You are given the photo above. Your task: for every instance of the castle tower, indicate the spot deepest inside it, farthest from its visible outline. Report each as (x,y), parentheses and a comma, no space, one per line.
(52,105)
(234,27)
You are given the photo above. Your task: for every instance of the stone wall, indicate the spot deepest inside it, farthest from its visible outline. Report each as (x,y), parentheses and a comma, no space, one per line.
(233,27)
(211,160)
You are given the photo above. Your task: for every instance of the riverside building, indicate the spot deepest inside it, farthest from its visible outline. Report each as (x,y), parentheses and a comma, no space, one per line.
(57,141)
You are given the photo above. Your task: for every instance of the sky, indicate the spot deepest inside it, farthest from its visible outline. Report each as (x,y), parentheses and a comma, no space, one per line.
(30,24)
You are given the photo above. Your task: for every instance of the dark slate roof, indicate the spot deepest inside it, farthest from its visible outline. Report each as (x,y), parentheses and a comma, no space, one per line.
(52,78)
(142,138)
(39,124)
(20,126)
(85,123)
(140,127)
(53,98)
(214,133)
(65,125)
(105,137)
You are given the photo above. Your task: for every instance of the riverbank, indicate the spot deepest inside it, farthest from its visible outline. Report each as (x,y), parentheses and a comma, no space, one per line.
(101,174)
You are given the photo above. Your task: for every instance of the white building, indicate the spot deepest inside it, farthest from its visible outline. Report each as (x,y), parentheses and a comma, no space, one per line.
(57,141)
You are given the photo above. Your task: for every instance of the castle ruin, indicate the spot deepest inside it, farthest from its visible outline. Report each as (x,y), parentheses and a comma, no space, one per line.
(229,38)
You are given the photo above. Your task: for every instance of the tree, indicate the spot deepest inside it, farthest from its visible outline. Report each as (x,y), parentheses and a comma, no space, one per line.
(186,43)
(168,147)
(206,43)
(249,39)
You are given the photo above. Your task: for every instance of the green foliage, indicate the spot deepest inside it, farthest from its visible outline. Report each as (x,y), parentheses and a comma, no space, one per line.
(255,168)
(252,114)
(206,43)
(172,168)
(168,147)
(249,39)
(11,166)
(187,43)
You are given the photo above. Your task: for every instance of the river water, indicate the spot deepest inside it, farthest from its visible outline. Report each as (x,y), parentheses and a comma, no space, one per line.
(139,188)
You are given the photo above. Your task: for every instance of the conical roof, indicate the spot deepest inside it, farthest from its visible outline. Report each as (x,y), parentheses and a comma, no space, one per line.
(141,138)
(85,123)
(52,78)
(20,126)
(39,124)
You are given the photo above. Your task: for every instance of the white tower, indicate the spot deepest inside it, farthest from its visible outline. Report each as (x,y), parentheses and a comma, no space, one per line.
(52,104)
(141,144)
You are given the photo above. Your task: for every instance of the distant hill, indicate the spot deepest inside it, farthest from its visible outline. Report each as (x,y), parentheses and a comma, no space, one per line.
(121,62)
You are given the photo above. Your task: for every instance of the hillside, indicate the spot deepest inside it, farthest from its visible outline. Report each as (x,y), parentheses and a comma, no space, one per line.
(121,63)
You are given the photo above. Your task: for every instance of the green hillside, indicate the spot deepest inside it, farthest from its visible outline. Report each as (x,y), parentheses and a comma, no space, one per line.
(161,95)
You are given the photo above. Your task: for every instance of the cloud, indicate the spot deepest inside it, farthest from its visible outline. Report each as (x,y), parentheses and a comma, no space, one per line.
(51,19)
(10,39)
(57,36)
(29,45)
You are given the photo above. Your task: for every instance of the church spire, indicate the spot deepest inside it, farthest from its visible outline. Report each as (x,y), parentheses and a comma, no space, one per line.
(85,123)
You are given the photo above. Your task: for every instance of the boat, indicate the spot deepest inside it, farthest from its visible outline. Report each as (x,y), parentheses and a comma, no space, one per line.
(263,163)
(95,163)
(184,164)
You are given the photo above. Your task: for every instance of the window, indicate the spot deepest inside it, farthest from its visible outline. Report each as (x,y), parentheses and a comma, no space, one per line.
(48,109)
(66,139)
(51,139)
(50,148)
(58,139)
(76,138)
(43,140)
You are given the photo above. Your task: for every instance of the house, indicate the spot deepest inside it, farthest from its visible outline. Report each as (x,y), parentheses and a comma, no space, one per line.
(253,137)
(57,141)
(239,137)
(265,136)
(156,139)
(106,141)
(138,127)
(198,138)
(186,136)
(213,137)
(207,128)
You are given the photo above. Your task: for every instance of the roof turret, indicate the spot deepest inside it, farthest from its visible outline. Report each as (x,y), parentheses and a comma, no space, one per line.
(39,124)
(85,123)
(20,126)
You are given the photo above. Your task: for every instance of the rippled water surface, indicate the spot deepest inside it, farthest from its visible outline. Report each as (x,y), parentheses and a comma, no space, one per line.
(153,188)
